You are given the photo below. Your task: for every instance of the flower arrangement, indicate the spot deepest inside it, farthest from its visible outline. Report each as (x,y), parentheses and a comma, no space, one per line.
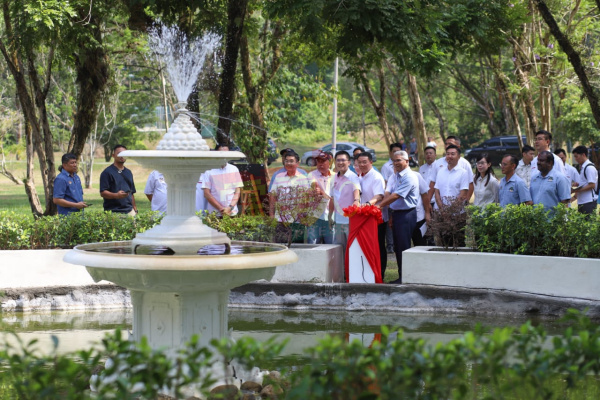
(366,210)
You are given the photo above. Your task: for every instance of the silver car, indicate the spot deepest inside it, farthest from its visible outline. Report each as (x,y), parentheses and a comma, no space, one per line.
(308,158)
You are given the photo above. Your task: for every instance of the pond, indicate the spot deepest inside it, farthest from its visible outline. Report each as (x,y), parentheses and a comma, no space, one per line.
(79,330)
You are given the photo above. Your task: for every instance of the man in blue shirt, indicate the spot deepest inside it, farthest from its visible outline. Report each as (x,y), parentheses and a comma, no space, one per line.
(68,193)
(401,194)
(549,187)
(513,189)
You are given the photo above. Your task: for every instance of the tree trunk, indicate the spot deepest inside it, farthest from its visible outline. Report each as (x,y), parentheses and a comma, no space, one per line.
(417,112)
(34,200)
(379,107)
(92,77)
(5,171)
(574,58)
(439,116)
(503,86)
(236,13)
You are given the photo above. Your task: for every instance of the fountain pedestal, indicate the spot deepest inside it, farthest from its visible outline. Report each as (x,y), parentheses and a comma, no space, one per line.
(175,297)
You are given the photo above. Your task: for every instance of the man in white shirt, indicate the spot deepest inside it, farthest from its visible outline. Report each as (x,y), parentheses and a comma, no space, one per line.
(587,185)
(542,143)
(425,169)
(423,212)
(442,163)
(570,171)
(283,169)
(200,200)
(345,192)
(452,182)
(523,170)
(222,188)
(431,142)
(156,191)
(372,187)
(320,230)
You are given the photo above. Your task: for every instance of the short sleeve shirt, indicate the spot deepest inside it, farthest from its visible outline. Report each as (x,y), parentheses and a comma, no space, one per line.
(524,172)
(451,182)
(485,191)
(157,187)
(223,183)
(387,170)
(425,170)
(442,163)
(587,175)
(284,180)
(406,185)
(513,191)
(423,188)
(113,180)
(342,191)
(324,182)
(549,190)
(69,188)
(200,199)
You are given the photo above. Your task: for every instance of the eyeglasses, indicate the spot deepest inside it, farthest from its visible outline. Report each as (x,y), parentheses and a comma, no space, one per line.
(482,162)
(289,162)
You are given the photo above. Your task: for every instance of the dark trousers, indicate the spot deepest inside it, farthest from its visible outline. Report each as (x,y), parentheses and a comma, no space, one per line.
(404,222)
(381,229)
(587,208)
(417,237)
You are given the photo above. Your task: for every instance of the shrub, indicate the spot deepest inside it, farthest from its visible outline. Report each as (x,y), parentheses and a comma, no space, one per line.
(522,229)
(508,363)
(17,232)
(257,228)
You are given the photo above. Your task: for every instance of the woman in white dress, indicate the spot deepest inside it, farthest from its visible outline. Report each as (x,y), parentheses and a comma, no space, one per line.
(485,182)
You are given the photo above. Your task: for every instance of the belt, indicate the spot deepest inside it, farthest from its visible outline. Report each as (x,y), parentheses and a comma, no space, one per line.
(399,211)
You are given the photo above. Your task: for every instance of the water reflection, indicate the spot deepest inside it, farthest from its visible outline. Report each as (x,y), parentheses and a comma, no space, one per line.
(78,330)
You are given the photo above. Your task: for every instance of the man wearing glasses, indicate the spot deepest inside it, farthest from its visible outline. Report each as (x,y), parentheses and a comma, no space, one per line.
(542,143)
(345,192)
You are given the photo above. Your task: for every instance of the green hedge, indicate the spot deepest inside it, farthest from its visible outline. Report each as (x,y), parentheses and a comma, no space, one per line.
(530,230)
(509,363)
(22,233)
(26,233)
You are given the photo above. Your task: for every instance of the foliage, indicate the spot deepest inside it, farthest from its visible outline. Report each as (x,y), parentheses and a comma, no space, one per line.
(17,233)
(522,229)
(447,225)
(508,363)
(243,227)
(297,205)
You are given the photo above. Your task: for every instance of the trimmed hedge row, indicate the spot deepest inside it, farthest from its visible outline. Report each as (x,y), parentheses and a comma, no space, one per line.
(26,233)
(530,230)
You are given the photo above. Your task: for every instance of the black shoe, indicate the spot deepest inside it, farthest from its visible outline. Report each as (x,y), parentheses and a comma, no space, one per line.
(396,282)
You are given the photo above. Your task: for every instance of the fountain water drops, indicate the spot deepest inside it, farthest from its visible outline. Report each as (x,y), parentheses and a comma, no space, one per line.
(182,57)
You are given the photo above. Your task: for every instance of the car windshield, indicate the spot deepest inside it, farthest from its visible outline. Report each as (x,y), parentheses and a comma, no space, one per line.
(326,147)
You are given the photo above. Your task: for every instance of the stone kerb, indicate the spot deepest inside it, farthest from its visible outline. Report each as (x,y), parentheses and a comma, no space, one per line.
(316,263)
(552,276)
(41,268)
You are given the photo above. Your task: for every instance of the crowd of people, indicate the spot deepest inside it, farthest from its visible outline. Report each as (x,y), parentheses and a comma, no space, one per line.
(406,198)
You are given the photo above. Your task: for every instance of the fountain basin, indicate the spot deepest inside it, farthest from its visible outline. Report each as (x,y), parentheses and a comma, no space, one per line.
(177,296)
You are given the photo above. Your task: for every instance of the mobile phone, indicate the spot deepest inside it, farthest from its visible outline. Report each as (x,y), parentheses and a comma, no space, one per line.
(89,204)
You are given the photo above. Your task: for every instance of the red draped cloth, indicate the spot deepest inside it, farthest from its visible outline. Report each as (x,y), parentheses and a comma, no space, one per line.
(363,227)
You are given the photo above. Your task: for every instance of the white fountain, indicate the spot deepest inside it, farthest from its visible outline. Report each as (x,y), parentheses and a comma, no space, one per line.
(186,292)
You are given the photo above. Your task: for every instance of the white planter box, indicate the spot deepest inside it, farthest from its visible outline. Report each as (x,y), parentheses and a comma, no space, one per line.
(553,276)
(316,263)
(40,268)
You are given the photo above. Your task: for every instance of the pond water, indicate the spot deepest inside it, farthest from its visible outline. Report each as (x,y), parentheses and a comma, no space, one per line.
(79,330)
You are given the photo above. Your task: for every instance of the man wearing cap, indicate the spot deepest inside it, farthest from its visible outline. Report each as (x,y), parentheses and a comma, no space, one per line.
(372,187)
(116,185)
(401,195)
(283,169)
(320,231)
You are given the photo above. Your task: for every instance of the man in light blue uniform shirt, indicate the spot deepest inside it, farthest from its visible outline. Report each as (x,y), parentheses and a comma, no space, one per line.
(549,187)
(401,194)
(68,193)
(513,189)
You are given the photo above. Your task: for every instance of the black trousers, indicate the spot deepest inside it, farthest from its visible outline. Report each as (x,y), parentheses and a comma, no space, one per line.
(381,229)
(404,222)
(417,237)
